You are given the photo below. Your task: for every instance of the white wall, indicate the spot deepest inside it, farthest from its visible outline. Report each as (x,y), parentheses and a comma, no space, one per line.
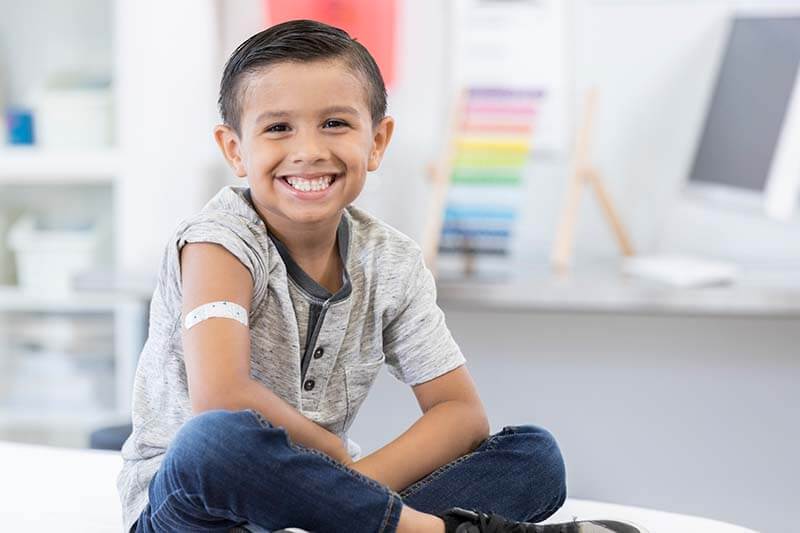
(166,74)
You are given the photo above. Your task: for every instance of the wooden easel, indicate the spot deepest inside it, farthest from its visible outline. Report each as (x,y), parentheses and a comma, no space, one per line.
(585,174)
(439,174)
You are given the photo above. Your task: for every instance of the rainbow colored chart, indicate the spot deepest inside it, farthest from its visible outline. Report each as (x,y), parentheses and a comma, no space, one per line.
(492,145)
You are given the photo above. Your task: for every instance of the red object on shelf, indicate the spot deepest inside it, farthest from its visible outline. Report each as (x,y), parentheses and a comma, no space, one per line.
(370,22)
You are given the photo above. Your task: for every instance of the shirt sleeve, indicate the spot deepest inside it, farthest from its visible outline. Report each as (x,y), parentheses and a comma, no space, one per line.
(417,343)
(233,233)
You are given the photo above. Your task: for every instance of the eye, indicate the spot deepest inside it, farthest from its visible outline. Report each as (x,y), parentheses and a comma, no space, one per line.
(277,128)
(335,123)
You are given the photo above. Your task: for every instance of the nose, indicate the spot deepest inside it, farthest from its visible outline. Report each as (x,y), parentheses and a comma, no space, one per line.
(308,148)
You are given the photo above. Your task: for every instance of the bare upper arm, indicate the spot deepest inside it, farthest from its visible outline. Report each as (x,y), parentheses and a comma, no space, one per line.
(217,350)
(454,385)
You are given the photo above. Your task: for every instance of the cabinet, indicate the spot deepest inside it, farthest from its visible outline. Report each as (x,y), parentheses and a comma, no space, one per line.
(67,358)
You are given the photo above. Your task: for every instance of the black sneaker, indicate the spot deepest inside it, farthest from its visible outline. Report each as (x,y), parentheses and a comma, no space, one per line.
(459,520)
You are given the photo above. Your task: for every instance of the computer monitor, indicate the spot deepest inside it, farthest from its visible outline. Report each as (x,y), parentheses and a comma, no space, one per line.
(749,152)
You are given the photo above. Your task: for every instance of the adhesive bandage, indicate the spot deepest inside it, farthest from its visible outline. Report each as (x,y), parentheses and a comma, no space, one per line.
(216,310)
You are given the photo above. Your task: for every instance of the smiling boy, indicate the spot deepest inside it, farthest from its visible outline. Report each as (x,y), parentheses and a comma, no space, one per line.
(276,307)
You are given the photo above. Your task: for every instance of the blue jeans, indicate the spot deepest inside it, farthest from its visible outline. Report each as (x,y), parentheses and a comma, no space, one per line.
(226,469)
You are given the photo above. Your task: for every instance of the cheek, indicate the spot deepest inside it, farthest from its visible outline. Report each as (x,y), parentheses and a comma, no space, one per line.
(265,157)
(354,155)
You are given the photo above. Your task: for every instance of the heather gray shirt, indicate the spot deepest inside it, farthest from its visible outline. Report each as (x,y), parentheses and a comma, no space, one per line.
(385,313)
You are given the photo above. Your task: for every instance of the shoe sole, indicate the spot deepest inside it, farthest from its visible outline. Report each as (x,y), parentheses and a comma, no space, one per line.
(589,526)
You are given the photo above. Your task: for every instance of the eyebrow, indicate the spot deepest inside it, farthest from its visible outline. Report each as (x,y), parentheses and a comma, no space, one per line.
(345,109)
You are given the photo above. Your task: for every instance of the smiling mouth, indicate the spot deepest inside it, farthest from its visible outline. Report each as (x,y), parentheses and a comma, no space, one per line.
(317,183)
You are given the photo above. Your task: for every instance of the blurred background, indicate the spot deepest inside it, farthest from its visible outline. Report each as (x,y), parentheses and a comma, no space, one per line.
(639,297)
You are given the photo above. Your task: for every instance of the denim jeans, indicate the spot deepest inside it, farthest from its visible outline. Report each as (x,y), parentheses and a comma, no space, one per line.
(226,469)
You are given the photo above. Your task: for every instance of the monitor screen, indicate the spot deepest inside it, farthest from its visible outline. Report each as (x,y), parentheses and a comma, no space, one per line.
(753,90)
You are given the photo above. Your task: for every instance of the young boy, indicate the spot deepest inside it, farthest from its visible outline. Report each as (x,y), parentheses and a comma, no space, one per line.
(276,307)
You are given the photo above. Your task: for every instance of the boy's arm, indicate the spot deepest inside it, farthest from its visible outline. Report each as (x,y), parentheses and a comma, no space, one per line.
(217,350)
(453,424)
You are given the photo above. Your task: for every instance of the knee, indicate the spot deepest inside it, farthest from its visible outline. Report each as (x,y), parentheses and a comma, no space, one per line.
(207,440)
(208,428)
(544,461)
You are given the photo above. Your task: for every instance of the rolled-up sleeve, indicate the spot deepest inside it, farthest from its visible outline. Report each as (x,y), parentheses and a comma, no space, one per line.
(232,233)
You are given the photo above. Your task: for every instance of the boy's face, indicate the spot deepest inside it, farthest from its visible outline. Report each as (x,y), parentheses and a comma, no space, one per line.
(307,141)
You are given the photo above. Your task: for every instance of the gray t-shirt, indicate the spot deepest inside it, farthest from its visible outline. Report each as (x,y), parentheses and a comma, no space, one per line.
(386,313)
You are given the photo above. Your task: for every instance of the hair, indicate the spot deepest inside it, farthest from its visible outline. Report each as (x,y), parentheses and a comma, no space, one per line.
(297,41)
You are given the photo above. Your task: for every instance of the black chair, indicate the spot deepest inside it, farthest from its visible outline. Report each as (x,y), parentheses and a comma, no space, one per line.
(110,438)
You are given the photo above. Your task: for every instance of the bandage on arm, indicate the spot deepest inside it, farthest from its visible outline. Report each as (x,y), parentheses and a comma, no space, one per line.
(220,309)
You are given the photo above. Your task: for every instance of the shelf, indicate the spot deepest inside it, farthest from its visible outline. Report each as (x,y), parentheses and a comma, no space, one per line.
(605,290)
(20,300)
(30,165)
(17,419)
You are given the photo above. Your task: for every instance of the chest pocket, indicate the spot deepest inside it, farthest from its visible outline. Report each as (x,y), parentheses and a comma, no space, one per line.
(358,381)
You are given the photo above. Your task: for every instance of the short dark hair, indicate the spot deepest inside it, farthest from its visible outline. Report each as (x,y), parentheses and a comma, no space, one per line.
(297,41)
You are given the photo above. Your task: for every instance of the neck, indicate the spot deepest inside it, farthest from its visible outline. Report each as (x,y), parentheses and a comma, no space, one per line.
(314,248)
(307,244)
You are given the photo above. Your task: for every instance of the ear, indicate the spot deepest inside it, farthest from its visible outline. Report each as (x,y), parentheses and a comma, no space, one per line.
(381,135)
(230,145)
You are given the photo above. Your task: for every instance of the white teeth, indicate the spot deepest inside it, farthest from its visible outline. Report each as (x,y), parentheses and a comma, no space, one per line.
(305,185)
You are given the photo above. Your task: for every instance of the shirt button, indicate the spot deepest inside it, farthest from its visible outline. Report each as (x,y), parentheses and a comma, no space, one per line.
(318,353)
(309,384)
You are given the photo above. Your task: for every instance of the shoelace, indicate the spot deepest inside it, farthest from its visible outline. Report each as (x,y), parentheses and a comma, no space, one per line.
(492,523)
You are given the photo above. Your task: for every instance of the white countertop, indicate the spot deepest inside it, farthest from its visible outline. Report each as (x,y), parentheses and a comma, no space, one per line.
(603,288)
